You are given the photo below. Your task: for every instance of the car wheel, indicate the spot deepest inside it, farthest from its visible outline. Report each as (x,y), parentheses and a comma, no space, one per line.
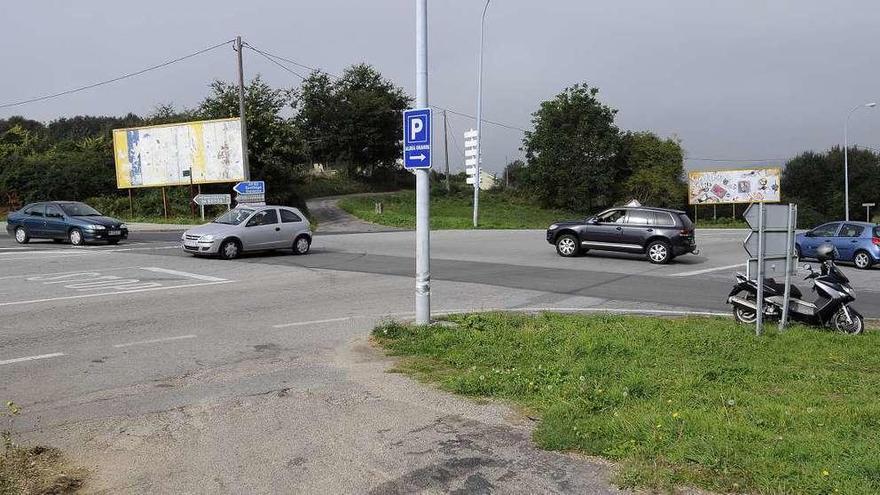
(21,235)
(863,260)
(567,246)
(229,250)
(76,237)
(659,252)
(301,245)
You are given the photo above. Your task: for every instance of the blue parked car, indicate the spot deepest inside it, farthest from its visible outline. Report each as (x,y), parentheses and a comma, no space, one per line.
(858,242)
(64,220)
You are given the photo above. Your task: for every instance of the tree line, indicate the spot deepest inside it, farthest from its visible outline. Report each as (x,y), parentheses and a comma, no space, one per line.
(576,157)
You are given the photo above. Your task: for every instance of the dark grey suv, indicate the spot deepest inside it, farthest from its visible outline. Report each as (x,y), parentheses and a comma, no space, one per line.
(660,233)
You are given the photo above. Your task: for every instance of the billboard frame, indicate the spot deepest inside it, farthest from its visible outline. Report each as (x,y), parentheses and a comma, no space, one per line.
(185,181)
(778,174)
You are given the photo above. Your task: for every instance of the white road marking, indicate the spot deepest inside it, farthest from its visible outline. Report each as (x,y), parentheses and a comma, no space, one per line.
(707,270)
(63,273)
(196,276)
(31,358)
(75,251)
(313,322)
(81,296)
(14,248)
(155,341)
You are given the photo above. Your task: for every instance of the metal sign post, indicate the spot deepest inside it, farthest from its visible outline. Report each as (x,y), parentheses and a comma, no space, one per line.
(423,177)
(759,304)
(770,243)
(789,255)
(868,207)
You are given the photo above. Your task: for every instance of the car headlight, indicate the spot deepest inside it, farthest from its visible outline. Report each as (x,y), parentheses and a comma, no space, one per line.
(554,227)
(123,226)
(96,227)
(206,238)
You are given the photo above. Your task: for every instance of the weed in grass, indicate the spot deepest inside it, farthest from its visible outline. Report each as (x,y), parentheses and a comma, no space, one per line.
(696,401)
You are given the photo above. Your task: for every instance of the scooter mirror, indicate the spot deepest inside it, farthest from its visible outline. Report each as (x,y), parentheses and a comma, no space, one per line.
(808,267)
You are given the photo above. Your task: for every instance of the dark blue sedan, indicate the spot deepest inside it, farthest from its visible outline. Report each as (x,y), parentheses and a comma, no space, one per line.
(858,242)
(64,220)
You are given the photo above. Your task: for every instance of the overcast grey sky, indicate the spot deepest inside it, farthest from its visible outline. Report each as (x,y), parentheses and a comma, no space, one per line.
(736,79)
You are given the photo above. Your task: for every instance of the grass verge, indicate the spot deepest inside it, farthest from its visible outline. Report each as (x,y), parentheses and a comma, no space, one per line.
(497,211)
(676,402)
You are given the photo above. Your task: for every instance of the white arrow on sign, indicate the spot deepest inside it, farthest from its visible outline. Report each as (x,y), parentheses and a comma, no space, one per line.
(419,157)
(212,199)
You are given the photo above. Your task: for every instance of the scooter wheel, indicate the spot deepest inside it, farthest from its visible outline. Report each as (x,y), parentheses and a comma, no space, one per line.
(853,327)
(745,316)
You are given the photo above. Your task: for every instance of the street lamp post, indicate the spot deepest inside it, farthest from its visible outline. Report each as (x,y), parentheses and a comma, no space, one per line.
(479,117)
(846,156)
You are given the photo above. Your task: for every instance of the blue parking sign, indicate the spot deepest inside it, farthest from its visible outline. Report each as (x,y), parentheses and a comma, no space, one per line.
(417,138)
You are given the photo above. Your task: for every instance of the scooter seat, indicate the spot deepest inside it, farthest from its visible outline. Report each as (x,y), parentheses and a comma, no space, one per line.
(779,288)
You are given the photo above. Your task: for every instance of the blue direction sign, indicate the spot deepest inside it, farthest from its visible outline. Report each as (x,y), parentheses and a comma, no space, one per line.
(250,187)
(417,138)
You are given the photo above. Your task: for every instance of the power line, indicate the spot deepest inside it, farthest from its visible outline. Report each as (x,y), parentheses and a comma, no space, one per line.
(271,58)
(335,76)
(118,78)
(289,61)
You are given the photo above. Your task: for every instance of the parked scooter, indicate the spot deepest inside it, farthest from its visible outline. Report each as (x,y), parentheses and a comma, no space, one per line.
(831,308)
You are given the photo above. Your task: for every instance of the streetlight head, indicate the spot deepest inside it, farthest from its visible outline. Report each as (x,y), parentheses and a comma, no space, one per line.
(871,105)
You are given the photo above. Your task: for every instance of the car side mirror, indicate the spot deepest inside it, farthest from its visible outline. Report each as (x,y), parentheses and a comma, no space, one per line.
(592,221)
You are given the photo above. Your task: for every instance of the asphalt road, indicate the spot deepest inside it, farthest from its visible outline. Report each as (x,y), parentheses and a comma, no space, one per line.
(164,373)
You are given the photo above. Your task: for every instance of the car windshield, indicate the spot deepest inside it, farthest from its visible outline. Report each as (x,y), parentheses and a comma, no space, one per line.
(79,210)
(234,217)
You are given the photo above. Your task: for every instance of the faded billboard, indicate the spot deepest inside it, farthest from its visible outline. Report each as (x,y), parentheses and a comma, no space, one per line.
(754,185)
(165,155)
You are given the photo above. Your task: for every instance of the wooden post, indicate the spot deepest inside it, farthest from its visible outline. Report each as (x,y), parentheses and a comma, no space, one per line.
(130,204)
(164,203)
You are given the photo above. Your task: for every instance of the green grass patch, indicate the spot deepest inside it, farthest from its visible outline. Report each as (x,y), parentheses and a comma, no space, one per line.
(676,402)
(497,211)
(722,223)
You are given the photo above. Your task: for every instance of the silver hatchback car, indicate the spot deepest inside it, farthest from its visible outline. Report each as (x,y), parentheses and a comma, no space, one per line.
(250,228)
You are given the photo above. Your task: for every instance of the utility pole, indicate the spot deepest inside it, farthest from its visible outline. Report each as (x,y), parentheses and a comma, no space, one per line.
(446,149)
(244,142)
(423,178)
(479,118)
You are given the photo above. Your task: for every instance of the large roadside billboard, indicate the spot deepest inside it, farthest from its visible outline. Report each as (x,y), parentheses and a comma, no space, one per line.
(753,185)
(166,155)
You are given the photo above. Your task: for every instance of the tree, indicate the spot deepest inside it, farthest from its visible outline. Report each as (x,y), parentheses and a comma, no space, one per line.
(274,146)
(815,182)
(514,173)
(354,121)
(655,170)
(571,151)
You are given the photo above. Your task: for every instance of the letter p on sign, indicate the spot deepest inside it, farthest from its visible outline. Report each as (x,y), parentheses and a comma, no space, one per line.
(416,125)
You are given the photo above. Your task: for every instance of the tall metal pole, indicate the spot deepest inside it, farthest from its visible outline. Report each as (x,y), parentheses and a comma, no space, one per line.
(846,155)
(789,254)
(446,149)
(423,185)
(479,118)
(241,112)
(759,302)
